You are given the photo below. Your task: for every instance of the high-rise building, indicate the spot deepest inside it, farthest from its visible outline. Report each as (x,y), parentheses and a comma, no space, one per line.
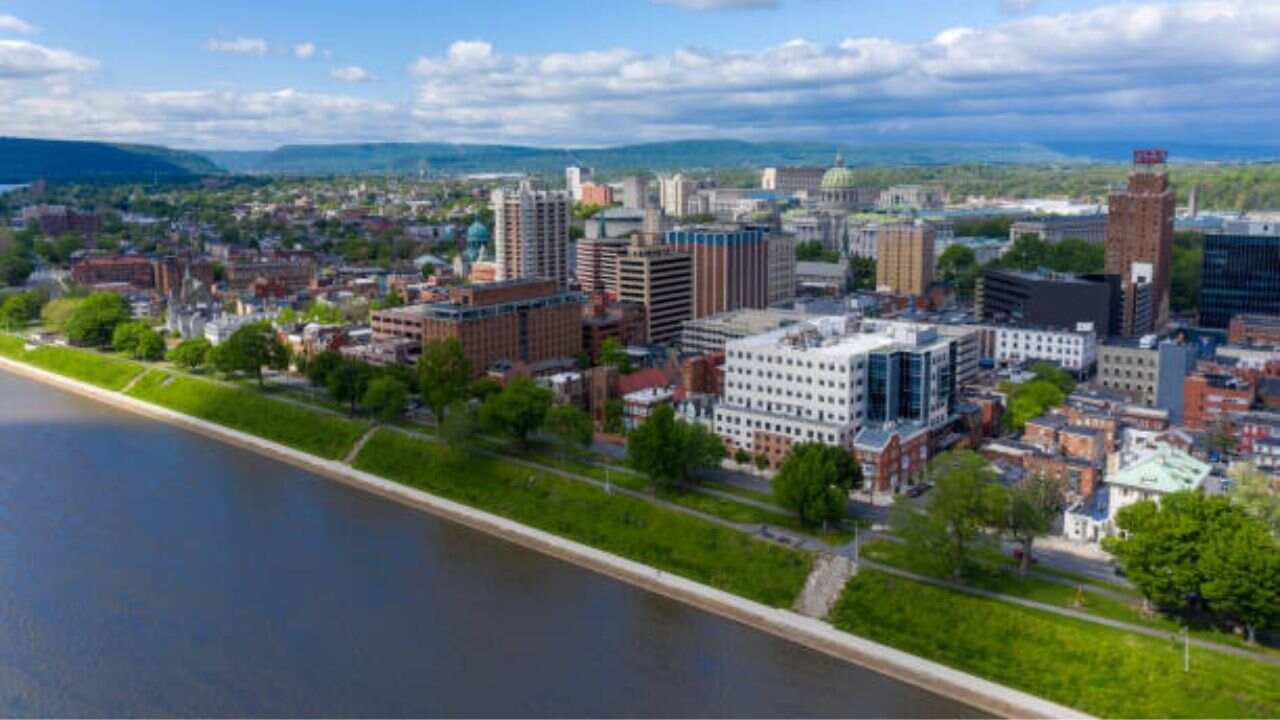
(635,192)
(661,279)
(1240,275)
(904,258)
(1140,237)
(597,269)
(531,233)
(574,178)
(730,266)
(673,195)
(782,267)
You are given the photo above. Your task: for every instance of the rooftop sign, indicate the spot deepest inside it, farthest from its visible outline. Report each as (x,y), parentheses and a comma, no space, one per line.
(1150,156)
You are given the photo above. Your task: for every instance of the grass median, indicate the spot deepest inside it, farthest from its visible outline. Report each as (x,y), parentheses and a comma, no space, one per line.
(689,547)
(314,432)
(1100,670)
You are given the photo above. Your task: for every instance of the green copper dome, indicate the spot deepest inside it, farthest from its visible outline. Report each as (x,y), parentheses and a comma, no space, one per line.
(838,176)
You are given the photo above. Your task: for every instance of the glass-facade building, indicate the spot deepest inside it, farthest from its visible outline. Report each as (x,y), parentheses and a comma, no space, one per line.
(1240,274)
(902,385)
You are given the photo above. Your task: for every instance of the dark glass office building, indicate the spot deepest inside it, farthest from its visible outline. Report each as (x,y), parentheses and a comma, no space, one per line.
(1240,275)
(1050,300)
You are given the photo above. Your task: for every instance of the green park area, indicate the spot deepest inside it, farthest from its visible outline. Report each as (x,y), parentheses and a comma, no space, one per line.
(630,527)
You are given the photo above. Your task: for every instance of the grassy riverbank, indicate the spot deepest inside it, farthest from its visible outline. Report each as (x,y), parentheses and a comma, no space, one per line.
(104,371)
(316,432)
(1097,669)
(627,526)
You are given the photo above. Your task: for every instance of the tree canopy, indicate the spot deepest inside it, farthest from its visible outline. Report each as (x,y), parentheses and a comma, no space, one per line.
(92,322)
(961,516)
(669,450)
(519,410)
(191,353)
(138,340)
(444,375)
(814,482)
(385,397)
(249,349)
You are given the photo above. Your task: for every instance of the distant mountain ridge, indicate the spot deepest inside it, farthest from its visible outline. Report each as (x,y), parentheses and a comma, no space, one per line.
(453,159)
(23,160)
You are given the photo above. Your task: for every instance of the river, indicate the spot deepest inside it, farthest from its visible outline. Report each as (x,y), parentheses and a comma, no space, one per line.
(146,570)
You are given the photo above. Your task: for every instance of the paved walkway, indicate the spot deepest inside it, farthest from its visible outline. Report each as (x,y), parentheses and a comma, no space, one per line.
(355,449)
(1071,613)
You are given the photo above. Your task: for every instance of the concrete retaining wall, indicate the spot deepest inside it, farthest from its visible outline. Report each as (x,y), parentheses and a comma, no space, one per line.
(786,624)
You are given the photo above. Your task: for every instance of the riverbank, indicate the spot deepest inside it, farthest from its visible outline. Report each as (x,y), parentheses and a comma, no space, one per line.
(811,633)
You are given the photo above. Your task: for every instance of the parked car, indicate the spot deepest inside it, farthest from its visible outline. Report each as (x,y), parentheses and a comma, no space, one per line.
(918,490)
(1017,555)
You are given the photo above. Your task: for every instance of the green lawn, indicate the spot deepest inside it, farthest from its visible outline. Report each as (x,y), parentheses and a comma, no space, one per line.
(1097,669)
(757,495)
(11,346)
(1033,588)
(105,371)
(632,528)
(313,432)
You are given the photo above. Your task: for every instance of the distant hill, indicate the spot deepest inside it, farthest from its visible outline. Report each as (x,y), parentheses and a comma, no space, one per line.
(409,158)
(23,160)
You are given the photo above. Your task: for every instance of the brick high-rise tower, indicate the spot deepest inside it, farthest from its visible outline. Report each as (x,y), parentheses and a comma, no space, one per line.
(1139,238)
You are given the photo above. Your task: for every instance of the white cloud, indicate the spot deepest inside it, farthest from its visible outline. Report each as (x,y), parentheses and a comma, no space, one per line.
(9,23)
(1173,56)
(351,73)
(721,4)
(20,59)
(304,51)
(1017,7)
(238,46)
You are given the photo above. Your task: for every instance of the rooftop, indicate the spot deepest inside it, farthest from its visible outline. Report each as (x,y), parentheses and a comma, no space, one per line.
(1164,470)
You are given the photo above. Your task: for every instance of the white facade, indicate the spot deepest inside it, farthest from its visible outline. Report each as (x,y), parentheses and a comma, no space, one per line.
(673,195)
(808,382)
(218,330)
(1072,350)
(574,178)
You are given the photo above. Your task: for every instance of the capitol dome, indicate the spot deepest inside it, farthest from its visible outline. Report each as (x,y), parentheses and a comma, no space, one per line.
(477,234)
(838,176)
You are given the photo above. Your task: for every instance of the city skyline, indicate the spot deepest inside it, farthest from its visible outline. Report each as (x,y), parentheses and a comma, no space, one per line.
(240,76)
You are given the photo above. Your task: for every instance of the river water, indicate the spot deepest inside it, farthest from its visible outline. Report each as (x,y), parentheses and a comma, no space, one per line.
(145,570)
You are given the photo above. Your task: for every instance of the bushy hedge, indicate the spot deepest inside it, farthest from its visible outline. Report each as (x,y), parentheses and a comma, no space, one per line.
(635,529)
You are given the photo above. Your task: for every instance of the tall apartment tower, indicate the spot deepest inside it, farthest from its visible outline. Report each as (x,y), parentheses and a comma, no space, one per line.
(574,178)
(782,266)
(1139,238)
(730,266)
(635,192)
(673,195)
(531,233)
(904,258)
(655,275)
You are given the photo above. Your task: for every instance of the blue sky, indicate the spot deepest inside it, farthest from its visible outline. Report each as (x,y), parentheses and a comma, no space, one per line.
(236,74)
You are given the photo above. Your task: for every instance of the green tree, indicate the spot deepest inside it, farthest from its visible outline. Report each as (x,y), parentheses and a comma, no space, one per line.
(1056,375)
(127,336)
(570,426)
(15,268)
(863,272)
(742,457)
(613,417)
(1241,569)
(1161,543)
(670,451)
(348,381)
(249,349)
(1258,493)
(958,520)
(1034,503)
(385,397)
(56,311)
(1029,400)
(318,368)
(958,265)
(519,410)
(444,375)
(481,388)
(814,482)
(19,309)
(613,354)
(93,321)
(191,354)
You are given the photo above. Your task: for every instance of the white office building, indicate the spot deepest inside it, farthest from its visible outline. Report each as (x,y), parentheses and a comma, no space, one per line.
(823,379)
(1072,350)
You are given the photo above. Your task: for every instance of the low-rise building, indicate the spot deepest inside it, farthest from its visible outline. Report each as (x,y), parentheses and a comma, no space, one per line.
(1056,228)
(1144,474)
(1254,330)
(638,406)
(1076,351)
(133,270)
(1210,399)
(711,333)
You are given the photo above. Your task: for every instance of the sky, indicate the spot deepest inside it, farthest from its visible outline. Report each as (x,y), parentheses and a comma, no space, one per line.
(243,75)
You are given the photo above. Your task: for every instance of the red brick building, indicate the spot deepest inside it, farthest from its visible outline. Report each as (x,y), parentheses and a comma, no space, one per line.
(704,374)
(1140,232)
(528,321)
(730,266)
(593,194)
(601,320)
(1254,330)
(892,459)
(136,271)
(1209,398)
